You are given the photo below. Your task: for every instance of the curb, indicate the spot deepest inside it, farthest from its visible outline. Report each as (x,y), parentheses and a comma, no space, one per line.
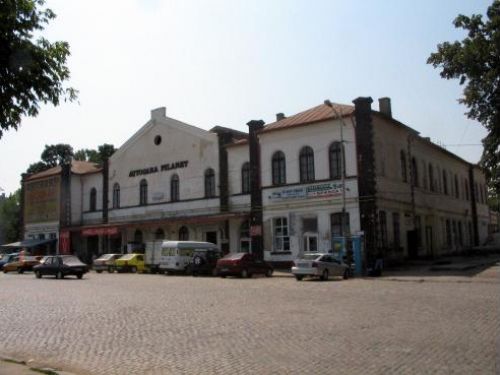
(9,366)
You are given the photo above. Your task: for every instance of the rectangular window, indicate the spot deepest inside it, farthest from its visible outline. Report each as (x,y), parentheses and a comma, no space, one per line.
(336,224)
(281,239)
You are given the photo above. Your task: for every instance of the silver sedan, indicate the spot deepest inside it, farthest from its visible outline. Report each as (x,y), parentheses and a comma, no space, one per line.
(319,264)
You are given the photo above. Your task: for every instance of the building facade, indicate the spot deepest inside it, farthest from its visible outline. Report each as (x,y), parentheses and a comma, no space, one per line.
(283,189)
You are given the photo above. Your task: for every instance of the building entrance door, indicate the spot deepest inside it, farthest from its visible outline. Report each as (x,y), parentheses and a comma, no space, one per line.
(211,237)
(428,240)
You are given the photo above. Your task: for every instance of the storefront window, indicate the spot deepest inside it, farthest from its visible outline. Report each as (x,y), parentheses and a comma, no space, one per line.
(245,240)
(183,234)
(281,239)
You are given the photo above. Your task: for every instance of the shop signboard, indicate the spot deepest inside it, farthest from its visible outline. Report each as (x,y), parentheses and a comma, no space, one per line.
(327,189)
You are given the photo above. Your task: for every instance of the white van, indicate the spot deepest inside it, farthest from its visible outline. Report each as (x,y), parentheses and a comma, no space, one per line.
(152,255)
(176,255)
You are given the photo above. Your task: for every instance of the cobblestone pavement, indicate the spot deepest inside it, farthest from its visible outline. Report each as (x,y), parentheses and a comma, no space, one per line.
(156,324)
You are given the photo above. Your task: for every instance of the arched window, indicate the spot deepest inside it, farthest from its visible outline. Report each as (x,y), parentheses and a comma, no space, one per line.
(445,182)
(183,234)
(335,159)
(245,240)
(431,178)
(279,168)
(159,234)
(209,183)
(306,164)
(245,178)
(143,193)
(93,199)
(174,188)
(414,172)
(404,174)
(116,195)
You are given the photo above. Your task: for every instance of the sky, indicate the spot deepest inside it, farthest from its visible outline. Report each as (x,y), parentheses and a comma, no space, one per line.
(226,62)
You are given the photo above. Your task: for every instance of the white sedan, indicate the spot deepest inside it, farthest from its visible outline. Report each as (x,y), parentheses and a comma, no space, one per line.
(319,264)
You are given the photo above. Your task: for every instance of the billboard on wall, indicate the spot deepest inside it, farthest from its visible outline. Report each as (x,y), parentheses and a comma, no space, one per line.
(328,189)
(41,200)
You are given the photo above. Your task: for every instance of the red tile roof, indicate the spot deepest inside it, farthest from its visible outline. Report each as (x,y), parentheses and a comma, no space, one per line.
(77,167)
(316,114)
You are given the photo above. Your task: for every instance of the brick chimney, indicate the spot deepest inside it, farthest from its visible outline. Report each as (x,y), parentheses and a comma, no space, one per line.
(280,116)
(384,106)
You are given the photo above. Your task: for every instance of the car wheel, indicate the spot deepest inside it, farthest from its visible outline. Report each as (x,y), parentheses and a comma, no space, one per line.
(38,275)
(98,271)
(133,269)
(195,273)
(244,273)
(59,275)
(79,275)
(324,275)
(223,276)
(20,270)
(269,273)
(346,274)
(4,270)
(299,277)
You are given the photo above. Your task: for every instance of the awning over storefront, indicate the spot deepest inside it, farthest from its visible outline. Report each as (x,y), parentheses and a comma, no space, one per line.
(27,244)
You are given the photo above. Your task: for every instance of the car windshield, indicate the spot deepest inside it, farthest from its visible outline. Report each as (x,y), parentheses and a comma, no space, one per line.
(71,260)
(235,256)
(127,257)
(105,257)
(311,256)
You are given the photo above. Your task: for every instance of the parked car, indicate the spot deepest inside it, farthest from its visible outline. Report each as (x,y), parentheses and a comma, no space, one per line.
(242,264)
(20,264)
(7,258)
(319,264)
(60,266)
(105,262)
(204,261)
(130,263)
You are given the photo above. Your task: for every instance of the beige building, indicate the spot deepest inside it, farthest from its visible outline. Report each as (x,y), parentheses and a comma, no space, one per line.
(284,189)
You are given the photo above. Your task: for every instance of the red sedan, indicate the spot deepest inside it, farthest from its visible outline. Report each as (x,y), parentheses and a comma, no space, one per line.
(243,265)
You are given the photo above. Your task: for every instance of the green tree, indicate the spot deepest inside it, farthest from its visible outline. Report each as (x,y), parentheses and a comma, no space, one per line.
(52,156)
(31,71)
(10,217)
(98,156)
(475,61)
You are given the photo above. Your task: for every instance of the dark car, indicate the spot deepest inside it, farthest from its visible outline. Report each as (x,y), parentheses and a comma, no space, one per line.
(204,262)
(242,264)
(60,266)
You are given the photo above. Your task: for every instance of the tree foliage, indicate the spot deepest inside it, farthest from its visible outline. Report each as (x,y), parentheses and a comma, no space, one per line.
(10,214)
(31,71)
(98,156)
(61,153)
(475,61)
(52,155)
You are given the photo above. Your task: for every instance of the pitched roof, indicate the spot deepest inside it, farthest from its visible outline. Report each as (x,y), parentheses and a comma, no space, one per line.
(316,114)
(77,167)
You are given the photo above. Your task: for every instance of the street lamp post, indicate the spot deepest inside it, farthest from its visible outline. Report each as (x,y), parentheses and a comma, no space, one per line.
(342,168)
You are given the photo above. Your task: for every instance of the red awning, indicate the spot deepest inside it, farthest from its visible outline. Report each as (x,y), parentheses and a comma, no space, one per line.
(103,231)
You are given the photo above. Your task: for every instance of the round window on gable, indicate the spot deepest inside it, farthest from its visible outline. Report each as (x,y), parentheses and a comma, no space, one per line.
(157,140)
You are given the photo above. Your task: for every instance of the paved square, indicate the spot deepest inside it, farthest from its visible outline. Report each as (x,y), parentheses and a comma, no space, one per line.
(156,324)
